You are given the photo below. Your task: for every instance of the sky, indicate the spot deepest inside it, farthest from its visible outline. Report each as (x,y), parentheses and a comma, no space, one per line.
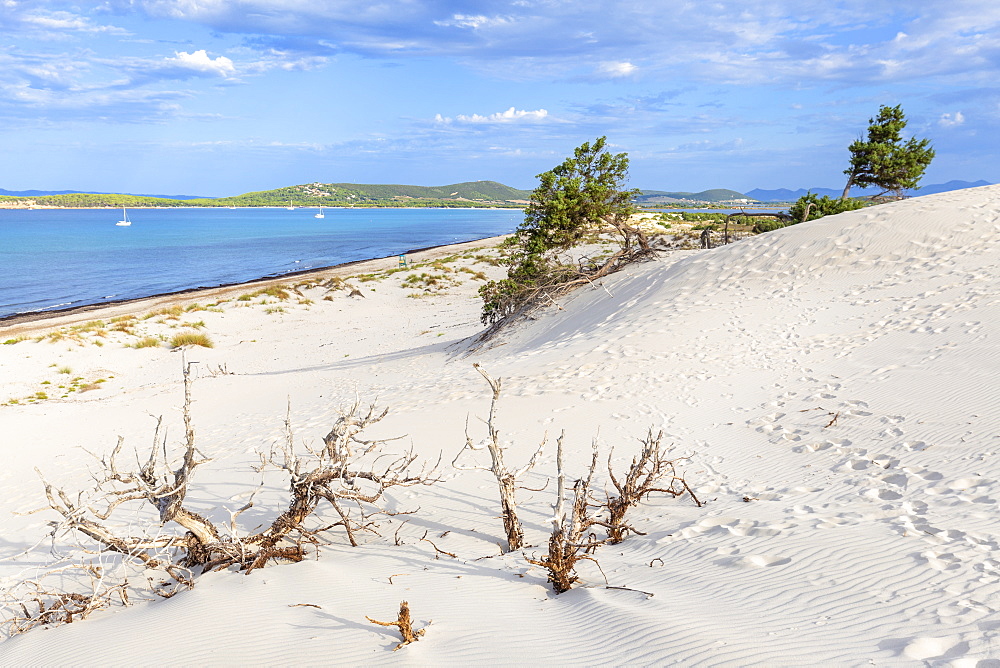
(222,97)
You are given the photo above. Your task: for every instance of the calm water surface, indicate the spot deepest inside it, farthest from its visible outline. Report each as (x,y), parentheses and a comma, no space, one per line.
(56,258)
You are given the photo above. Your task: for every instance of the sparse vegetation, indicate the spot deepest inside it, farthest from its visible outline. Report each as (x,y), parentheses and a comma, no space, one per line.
(190,339)
(346,477)
(642,479)
(576,198)
(280,292)
(168,312)
(811,207)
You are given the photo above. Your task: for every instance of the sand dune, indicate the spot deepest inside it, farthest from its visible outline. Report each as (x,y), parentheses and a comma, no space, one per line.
(834,384)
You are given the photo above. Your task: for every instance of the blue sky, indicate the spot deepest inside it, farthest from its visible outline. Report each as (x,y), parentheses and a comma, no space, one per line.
(220,97)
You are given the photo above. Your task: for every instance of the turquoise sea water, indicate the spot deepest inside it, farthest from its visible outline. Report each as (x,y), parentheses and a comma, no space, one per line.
(58,258)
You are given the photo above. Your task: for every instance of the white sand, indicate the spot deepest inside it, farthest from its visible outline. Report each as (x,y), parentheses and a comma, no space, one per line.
(872,539)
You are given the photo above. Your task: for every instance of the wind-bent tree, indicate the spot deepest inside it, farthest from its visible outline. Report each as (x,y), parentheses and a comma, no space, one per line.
(885,160)
(583,194)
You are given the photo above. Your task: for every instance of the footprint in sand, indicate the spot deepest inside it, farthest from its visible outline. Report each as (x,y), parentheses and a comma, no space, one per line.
(897,479)
(754,561)
(813,447)
(939,560)
(882,495)
(915,446)
(922,649)
(884,461)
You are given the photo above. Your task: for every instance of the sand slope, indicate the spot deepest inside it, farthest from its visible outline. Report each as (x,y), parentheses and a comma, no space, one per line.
(835,384)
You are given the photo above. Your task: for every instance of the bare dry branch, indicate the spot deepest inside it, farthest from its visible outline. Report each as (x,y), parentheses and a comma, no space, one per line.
(506,480)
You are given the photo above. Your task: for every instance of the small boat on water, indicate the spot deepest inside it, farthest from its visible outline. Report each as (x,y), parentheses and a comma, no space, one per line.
(124,222)
(290,207)
(320,214)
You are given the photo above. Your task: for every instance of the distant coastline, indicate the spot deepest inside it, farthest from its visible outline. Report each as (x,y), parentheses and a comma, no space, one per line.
(8,206)
(472,194)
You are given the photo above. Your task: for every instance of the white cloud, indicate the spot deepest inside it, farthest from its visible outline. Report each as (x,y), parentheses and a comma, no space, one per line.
(512,115)
(200,62)
(738,41)
(951,120)
(474,22)
(66,22)
(616,69)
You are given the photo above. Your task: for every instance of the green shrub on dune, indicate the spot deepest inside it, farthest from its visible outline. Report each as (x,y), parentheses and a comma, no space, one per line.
(190,339)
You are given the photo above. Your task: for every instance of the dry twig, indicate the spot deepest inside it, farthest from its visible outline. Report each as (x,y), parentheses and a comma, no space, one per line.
(404,624)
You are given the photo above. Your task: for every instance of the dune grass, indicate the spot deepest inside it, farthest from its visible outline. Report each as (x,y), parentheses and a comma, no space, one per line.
(280,292)
(190,339)
(168,312)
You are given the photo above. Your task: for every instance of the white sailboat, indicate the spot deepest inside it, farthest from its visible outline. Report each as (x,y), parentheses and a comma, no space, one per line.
(124,222)
(320,214)
(290,207)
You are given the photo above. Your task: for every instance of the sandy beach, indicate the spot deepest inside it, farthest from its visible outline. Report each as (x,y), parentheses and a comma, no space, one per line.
(831,388)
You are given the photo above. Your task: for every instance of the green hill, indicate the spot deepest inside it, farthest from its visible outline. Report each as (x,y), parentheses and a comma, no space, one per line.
(470,194)
(474,193)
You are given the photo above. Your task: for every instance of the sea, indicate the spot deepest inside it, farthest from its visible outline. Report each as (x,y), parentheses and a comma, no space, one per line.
(53,259)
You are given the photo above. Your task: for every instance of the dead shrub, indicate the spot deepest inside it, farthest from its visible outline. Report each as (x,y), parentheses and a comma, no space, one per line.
(649,470)
(404,624)
(569,543)
(506,479)
(349,474)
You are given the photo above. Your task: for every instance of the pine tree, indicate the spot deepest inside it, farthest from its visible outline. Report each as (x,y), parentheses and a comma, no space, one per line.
(579,196)
(885,160)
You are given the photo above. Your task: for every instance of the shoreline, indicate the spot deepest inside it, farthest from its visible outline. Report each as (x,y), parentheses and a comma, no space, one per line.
(54,207)
(23,322)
